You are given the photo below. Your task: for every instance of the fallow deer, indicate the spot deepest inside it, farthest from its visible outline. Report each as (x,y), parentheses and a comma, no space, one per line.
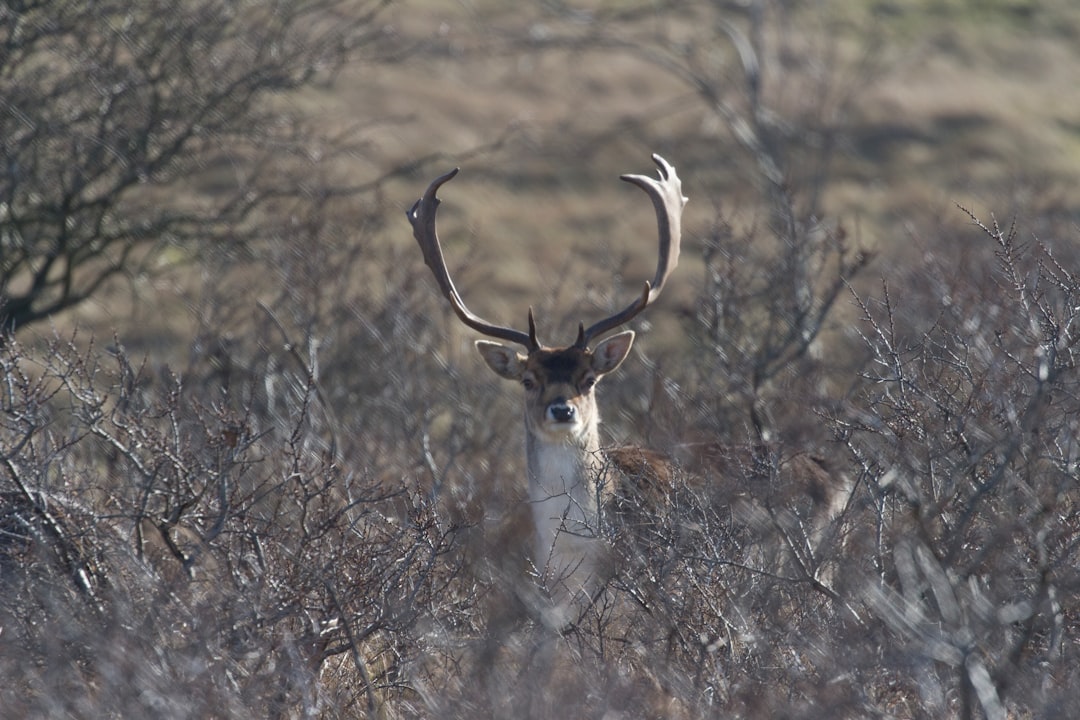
(565,459)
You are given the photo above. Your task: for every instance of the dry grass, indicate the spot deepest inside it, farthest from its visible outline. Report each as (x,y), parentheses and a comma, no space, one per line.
(961,104)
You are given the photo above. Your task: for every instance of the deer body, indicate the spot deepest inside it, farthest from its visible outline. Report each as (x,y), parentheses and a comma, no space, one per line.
(565,461)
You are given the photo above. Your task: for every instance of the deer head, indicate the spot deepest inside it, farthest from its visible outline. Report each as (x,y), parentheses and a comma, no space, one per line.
(559,381)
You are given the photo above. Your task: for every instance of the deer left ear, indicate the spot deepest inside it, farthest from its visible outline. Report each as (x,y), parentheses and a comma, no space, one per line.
(610,353)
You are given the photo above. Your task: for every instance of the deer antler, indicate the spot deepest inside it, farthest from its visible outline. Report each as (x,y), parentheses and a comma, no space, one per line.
(667,198)
(422,218)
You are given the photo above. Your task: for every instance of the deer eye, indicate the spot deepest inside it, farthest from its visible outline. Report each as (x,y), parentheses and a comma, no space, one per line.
(528,383)
(588,383)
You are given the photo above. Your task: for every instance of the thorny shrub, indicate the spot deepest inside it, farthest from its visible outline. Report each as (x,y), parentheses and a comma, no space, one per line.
(191,560)
(964,442)
(324,518)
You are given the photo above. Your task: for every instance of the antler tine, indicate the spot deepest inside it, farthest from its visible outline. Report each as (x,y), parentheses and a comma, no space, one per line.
(668,200)
(422,218)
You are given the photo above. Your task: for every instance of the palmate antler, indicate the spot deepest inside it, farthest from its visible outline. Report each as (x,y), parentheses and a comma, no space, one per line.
(668,200)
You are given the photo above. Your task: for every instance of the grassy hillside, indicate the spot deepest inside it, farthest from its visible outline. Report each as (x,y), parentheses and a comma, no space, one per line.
(887,114)
(929,104)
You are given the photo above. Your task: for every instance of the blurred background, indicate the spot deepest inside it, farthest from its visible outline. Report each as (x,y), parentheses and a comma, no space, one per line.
(876,117)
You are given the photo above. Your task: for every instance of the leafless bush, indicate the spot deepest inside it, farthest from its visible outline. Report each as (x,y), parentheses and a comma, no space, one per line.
(285,529)
(130,129)
(964,437)
(163,547)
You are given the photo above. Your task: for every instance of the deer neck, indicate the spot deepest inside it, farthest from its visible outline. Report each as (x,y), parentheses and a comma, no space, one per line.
(564,497)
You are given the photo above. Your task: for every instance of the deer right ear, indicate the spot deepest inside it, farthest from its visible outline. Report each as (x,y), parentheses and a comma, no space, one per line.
(505,361)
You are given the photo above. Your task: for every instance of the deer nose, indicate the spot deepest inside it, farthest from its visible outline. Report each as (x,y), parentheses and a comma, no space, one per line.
(561,411)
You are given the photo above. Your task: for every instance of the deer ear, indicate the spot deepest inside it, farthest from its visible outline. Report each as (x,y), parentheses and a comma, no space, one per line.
(503,360)
(610,353)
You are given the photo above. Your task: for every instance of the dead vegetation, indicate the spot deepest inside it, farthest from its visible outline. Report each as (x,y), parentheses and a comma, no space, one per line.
(308,500)
(177,536)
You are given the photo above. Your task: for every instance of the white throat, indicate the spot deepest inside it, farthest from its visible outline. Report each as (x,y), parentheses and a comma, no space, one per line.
(564,503)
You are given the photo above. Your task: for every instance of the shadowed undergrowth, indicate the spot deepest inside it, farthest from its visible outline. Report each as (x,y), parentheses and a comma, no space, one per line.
(245,538)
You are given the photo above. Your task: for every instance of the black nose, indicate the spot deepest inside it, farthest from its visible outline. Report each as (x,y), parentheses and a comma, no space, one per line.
(561,412)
